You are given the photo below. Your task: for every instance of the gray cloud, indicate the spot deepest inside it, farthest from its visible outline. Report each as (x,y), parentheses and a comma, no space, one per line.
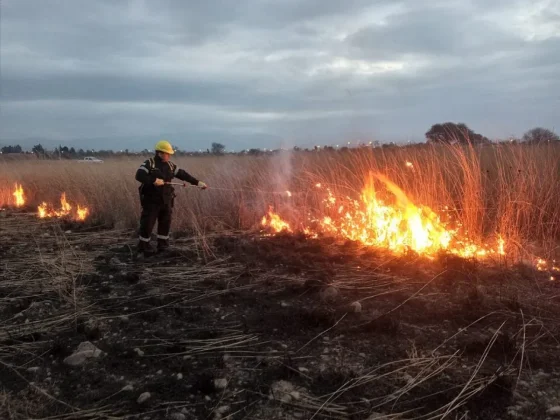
(258,72)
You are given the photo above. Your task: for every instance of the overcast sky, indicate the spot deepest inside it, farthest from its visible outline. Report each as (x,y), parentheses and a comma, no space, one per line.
(258,73)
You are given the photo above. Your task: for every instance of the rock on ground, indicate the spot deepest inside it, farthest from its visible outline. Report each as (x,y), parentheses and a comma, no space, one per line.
(85,351)
(145,396)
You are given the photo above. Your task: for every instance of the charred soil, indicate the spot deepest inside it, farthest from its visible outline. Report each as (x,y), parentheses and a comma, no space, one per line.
(249,326)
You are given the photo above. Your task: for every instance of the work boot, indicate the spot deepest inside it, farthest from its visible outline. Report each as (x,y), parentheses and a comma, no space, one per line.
(162,245)
(145,249)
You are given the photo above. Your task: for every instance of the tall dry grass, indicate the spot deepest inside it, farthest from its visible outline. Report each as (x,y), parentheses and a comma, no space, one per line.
(508,189)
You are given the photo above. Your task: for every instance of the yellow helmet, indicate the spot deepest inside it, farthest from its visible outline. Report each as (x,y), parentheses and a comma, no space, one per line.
(164,146)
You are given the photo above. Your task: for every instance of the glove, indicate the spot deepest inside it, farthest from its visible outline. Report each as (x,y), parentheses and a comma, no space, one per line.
(159,182)
(202,185)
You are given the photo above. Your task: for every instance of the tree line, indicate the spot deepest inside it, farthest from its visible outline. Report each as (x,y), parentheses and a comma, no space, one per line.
(444,133)
(449,133)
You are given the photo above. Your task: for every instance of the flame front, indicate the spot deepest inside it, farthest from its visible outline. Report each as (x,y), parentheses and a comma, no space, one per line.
(46,211)
(19,198)
(400,226)
(82,213)
(275,223)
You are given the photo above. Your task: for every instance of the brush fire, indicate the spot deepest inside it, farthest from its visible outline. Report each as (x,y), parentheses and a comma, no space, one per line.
(19,197)
(45,210)
(66,210)
(399,226)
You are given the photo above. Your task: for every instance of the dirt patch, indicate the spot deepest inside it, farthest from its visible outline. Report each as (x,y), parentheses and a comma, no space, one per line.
(250,326)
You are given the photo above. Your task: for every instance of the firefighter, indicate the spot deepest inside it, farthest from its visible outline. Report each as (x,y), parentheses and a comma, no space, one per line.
(157,196)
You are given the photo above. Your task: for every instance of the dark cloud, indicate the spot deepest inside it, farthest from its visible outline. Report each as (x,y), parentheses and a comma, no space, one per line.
(257,72)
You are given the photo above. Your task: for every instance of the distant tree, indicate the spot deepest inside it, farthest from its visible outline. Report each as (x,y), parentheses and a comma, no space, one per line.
(449,132)
(12,149)
(540,135)
(38,150)
(218,148)
(254,152)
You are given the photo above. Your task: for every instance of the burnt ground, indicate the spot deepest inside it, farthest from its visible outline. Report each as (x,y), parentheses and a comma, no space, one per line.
(245,326)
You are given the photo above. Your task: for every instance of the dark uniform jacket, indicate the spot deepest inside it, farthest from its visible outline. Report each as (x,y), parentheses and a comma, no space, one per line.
(155,168)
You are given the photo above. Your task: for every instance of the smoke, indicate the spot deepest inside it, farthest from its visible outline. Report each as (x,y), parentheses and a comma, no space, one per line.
(282,167)
(281,175)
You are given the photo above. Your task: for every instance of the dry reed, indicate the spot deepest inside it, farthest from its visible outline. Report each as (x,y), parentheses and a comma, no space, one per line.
(507,189)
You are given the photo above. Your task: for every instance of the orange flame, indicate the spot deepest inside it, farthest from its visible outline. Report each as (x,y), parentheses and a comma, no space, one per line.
(400,226)
(82,213)
(275,223)
(409,164)
(19,196)
(44,210)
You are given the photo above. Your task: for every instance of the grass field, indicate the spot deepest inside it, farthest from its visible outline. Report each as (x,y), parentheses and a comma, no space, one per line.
(511,190)
(238,324)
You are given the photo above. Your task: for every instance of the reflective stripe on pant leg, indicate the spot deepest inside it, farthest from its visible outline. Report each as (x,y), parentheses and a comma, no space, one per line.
(144,239)
(163,237)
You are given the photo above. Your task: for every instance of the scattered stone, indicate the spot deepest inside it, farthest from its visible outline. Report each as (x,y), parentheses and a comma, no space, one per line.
(329,294)
(356,307)
(554,411)
(220,411)
(138,352)
(145,396)
(284,391)
(295,395)
(177,416)
(220,383)
(159,372)
(114,261)
(207,398)
(85,351)
(303,369)
(179,376)
(127,388)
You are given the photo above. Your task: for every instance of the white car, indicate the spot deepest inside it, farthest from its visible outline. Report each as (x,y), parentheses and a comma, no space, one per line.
(91,159)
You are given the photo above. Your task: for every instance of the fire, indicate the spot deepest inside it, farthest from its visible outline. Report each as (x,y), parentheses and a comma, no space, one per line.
(44,210)
(19,196)
(289,193)
(397,224)
(409,165)
(550,267)
(275,223)
(82,213)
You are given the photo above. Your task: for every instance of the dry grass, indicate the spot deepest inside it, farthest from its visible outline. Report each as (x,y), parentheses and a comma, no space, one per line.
(506,189)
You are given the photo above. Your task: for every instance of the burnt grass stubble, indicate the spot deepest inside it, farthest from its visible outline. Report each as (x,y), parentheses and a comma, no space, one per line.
(255,310)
